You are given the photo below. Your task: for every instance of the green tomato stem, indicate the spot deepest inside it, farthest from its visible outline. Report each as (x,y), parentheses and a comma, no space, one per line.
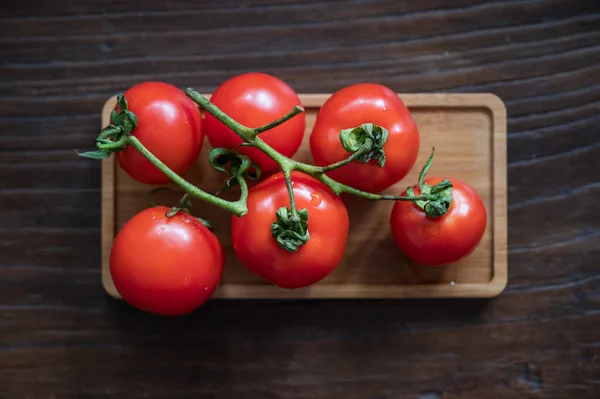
(290,189)
(238,208)
(339,188)
(244,132)
(425,170)
(362,150)
(288,164)
(243,201)
(290,228)
(183,201)
(114,145)
(295,111)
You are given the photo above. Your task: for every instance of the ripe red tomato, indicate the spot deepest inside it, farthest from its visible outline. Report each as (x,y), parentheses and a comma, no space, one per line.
(353,106)
(168,266)
(255,99)
(437,241)
(327,225)
(169,125)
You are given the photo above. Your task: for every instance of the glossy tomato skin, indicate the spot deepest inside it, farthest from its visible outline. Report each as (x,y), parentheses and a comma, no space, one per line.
(366,103)
(443,240)
(327,225)
(166,266)
(255,99)
(169,125)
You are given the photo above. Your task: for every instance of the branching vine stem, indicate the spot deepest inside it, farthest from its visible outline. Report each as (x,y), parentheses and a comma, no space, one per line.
(291,225)
(251,136)
(238,208)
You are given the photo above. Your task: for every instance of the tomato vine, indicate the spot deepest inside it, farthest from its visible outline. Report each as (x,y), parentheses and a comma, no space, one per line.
(290,229)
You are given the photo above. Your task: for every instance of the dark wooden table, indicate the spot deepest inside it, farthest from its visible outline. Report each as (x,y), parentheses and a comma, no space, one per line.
(61,337)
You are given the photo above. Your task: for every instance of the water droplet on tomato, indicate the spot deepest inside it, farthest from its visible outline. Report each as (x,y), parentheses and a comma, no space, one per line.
(315,199)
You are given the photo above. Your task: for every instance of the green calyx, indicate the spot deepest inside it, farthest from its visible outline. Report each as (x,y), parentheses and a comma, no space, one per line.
(175,210)
(367,138)
(439,197)
(113,137)
(291,233)
(123,118)
(236,166)
(185,206)
(185,203)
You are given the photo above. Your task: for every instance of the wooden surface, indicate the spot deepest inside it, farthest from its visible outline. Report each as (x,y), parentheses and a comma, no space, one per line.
(62,337)
(469,133)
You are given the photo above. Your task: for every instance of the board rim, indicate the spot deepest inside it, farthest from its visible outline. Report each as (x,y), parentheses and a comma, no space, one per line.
(492,288)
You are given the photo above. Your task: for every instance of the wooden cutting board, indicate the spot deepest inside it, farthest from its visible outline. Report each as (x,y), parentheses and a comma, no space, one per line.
(469,134)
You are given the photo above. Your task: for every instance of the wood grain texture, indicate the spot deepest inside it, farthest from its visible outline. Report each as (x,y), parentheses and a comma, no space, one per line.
(62,337)
(469,133)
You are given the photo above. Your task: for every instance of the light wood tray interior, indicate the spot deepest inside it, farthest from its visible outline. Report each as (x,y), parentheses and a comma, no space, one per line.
(469,134)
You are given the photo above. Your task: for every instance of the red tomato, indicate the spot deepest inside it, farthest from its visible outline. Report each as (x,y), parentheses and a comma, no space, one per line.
(437,241)
(327,225)
(168,266)
(169,125)
(352,106)
(255,99)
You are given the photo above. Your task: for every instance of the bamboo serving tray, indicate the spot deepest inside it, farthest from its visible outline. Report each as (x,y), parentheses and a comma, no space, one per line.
(469,134)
